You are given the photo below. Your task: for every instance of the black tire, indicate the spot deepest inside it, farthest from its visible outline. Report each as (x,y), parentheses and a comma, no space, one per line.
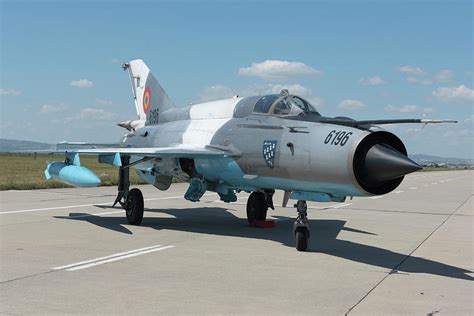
(301,239)
(134,209)
(256,207)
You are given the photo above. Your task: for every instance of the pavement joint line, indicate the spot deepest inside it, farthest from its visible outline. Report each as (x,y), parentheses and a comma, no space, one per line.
(69,216)
(395,211)
(398,192)
(86,205)
(27,276)
(394,269)
(106,259)
(413,188)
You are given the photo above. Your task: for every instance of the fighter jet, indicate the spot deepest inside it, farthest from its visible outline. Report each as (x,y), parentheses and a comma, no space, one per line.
(256,144)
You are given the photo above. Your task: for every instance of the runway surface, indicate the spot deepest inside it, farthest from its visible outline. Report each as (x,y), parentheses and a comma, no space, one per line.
(67,251)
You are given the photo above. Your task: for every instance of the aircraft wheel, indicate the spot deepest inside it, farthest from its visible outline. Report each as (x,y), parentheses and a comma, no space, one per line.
(256,207)
(134,209)
(301,239)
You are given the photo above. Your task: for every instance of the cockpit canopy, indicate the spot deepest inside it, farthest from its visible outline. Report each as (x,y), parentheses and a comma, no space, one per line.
(283,104)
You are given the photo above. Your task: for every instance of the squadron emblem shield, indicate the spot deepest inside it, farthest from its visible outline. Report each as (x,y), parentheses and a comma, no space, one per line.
(269,151)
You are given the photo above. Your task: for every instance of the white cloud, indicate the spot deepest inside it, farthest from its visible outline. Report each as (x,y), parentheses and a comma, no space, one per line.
(418,76)
(461,94)
(96,114)
(444,75)
(411,70)
(296,89)
(371,81)
(81,83)
(278,69)
(102,102)
(428,110)
(401,109)
(215,92)
(53,108)
(349,104)
(422,81)
(88,116)
(11,92)
(469,119)
(219,91)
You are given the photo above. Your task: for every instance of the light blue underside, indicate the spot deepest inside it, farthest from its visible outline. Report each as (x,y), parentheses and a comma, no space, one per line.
(228,171)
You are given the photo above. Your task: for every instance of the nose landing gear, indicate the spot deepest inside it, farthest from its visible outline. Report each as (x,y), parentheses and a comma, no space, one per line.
(301,226)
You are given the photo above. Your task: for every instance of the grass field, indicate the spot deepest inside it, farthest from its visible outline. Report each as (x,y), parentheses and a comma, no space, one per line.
(24,172)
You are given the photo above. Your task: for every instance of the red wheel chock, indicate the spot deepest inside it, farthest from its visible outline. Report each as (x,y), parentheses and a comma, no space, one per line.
(263,224)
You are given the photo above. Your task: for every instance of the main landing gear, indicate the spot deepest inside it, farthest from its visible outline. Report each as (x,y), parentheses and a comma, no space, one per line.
(256,207)
(258,204)
(301,226)
(130,200)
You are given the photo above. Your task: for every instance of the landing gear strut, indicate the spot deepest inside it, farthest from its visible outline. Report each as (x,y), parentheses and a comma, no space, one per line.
(130,200)
(301,226)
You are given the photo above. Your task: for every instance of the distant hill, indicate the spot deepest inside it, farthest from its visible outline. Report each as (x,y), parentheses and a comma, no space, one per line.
(7,145)
(425,159)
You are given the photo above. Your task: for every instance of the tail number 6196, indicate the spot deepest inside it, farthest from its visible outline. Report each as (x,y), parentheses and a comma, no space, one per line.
(337,138)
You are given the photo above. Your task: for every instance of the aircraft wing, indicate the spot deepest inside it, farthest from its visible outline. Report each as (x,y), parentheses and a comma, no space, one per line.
(355,123)
(179,150)
(112,155)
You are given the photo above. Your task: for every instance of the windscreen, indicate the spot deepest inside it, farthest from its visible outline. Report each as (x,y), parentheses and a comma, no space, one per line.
(293,105)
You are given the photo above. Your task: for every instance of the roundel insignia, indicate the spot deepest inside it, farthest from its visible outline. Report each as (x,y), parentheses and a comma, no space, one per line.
(146,100)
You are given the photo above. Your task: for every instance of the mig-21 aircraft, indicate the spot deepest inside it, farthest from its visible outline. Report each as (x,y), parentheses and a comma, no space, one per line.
(256,144)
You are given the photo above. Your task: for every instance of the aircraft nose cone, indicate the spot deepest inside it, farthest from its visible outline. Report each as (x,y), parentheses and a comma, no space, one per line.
(383,163)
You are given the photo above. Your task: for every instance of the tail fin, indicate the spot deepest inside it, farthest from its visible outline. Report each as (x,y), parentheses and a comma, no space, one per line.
(150,97)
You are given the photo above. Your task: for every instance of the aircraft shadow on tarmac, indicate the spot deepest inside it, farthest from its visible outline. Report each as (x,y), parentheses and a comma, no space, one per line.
(220,221)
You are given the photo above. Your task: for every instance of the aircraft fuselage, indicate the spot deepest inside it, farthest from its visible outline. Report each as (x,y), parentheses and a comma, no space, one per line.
(264,151)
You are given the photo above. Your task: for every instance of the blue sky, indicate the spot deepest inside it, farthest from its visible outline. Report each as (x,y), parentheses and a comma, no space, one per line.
(61,77)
